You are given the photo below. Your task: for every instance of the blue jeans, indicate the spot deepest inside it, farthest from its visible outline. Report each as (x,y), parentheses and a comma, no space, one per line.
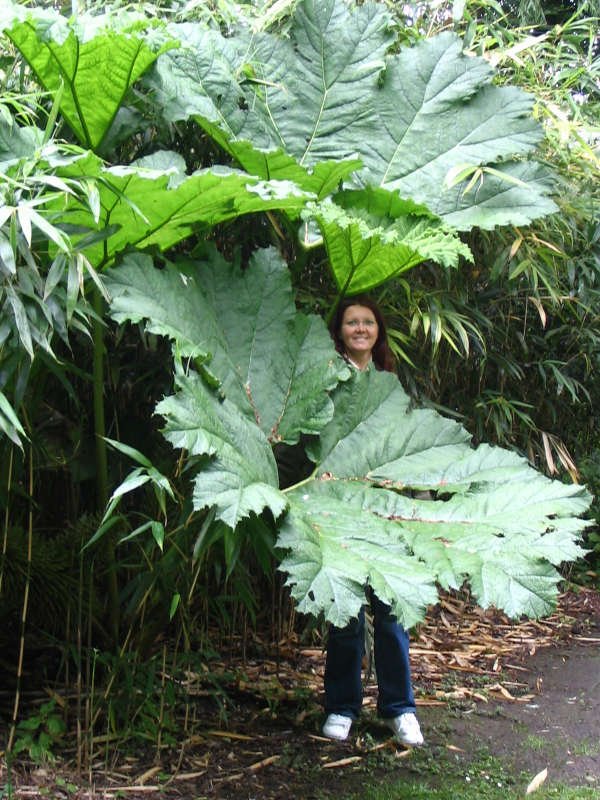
(345,649)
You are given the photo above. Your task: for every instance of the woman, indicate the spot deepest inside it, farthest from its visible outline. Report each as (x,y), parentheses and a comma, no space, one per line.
(358,330)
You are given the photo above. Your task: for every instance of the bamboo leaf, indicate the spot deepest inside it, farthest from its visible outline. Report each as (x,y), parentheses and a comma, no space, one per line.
(158,533)
(24,216)
(7,254)
(9,422)
(21,320)
(59,239)
(132,481)
(176,599)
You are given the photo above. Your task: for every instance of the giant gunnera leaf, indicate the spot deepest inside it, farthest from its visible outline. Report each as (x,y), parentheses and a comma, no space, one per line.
(88,62)
(372,236)
(153,202)
(398,500)
(275,365)
(423,122)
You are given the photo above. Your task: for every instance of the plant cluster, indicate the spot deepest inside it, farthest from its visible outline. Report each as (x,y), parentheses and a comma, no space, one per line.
(173,190)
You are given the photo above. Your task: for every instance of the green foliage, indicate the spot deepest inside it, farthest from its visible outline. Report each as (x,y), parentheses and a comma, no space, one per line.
(143,474)
(194,304)
(51,572)
(488,518)
(273,365)
(88,63)
(41,273)
(153,202)
(341,137)
(377,236)
(520,326)
(590,472)
(40,733)
(332,91)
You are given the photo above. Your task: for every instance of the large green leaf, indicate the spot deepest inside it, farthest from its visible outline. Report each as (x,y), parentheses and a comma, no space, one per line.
(273,368)
(367,247)
(154,203)
(343,535)
(241,476)
(487,516)
(140,292)
(399,499)
(273,364)
(439,112)
(84,61)
(204,79)
(426,452)
(352,445)
(212,79)
(336,549)
(417,119)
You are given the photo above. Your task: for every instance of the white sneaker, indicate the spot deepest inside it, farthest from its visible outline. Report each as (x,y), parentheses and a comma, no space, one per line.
(337,727)
(406,729)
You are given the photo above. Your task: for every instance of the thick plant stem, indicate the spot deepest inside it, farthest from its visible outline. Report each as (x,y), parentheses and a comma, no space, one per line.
(311,477)
(101,460)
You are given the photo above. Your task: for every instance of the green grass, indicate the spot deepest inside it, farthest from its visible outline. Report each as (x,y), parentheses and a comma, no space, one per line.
(420,791)
(440,776)
(536,743)
(585,748)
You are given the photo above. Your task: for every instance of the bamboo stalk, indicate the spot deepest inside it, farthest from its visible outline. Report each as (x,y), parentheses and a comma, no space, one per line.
(25,607)
(79,679)
(162,703)
(101,458)
(6,516)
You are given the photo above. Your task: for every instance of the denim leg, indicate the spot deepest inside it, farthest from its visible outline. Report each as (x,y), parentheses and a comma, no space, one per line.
(391,662)
(343,684)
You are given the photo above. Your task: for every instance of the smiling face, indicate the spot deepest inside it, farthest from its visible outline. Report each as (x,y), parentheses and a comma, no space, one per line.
(359,331)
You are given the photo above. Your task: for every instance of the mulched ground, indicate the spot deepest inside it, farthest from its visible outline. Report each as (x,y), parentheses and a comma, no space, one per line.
(261,738)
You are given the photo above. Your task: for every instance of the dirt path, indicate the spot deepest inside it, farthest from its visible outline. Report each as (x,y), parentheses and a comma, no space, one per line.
(557,729)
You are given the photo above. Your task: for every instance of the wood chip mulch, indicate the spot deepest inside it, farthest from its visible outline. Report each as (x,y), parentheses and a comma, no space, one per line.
(456,650)
(461,638)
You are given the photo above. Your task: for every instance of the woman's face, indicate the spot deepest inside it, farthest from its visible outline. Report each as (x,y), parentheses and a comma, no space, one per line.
(359,331)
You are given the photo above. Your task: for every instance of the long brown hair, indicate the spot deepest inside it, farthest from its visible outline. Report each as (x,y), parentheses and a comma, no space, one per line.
(382,356)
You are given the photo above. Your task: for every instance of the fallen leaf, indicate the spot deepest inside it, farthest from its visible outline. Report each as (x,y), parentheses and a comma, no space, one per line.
(189,776)
(537,781)
(230,735)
